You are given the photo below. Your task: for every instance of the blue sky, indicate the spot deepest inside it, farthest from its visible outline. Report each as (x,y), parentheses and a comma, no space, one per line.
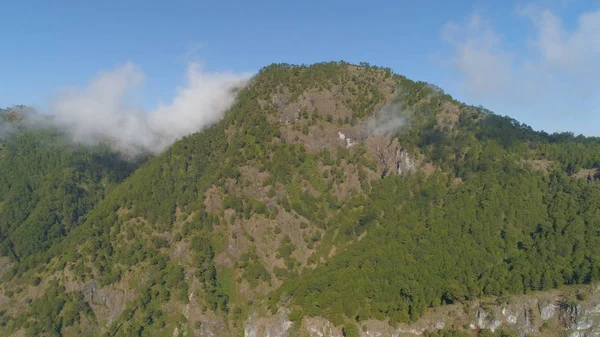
(535,61)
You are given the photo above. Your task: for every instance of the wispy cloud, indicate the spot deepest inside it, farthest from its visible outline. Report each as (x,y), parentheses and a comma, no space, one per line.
(570,51)
(556,69)
(479,56)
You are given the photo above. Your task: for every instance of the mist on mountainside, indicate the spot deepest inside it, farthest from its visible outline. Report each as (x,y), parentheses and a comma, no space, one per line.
(391,118)
(107,109)
(5,129)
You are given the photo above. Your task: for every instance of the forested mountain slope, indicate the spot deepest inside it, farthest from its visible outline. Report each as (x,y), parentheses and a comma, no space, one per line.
(48,186)
(332,190)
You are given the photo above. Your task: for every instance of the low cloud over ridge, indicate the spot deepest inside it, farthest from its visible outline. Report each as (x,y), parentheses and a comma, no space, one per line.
(105,110)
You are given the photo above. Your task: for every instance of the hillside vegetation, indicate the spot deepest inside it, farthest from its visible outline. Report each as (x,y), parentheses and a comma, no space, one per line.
(303,196)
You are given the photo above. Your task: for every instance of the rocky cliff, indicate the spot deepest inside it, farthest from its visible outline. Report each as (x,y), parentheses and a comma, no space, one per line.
(573,312)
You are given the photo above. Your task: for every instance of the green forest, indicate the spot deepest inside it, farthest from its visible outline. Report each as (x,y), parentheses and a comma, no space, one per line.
(505,210)
(47,188)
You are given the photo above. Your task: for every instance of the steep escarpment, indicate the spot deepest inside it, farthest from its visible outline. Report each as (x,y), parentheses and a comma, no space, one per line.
(329,198)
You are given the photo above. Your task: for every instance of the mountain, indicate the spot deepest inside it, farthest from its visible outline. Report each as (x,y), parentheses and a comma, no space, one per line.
(330,199)
(48,186)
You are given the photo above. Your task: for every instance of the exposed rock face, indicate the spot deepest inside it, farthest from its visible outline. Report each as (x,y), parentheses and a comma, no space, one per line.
(391,156)
(348,140)
(404,163)
(107,303)
(320,327)
(544,314)
(212,327)
(268,326)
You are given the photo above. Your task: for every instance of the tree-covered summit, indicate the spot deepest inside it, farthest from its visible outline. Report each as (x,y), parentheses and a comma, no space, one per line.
(333,190)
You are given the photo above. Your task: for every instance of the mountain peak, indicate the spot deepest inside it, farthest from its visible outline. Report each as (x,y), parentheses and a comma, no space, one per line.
(333,194)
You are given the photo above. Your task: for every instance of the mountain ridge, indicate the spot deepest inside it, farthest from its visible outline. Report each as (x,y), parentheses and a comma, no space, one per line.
(275,207)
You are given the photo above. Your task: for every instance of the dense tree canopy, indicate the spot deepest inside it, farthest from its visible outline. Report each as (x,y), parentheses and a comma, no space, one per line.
(48,186)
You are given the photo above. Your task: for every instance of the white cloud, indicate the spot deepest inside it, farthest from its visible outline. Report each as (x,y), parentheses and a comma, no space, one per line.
(479,58)
(200,103)
(556,69)
(106,109)
(572,52)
